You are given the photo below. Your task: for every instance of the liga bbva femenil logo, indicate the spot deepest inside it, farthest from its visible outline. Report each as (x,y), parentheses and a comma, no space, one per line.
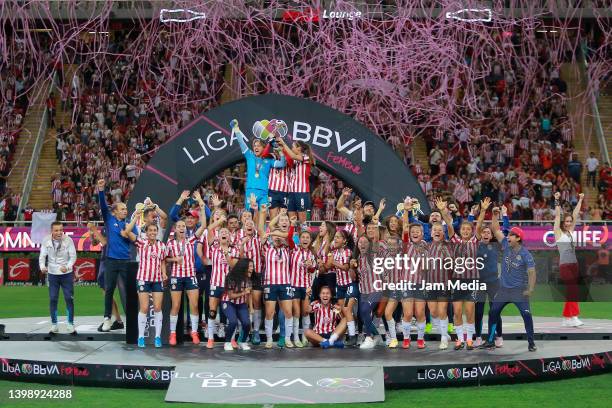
(342,146)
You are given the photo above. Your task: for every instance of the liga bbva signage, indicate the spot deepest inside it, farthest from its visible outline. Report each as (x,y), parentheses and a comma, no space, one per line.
(200,383)
(342,146)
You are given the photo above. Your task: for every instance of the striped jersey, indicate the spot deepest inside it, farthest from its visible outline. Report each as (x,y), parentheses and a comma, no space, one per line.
(185,251)
(277,264)
(300,175)
(417,269)
(466,250)
(438,253)
(326,317)
(151,258)
(279,179)
(365,272)
(239,300)
(301,275)
(220,267)
(342,256)
(393,274)
(252,250)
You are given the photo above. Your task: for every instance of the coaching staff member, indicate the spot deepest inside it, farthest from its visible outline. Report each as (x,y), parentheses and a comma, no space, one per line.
(117,251)
(56,259)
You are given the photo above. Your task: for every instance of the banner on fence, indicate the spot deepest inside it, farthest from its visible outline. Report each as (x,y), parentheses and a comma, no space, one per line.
(18,239)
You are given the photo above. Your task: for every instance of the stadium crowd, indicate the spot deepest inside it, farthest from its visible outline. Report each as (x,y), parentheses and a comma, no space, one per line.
(16,80)
(112,134)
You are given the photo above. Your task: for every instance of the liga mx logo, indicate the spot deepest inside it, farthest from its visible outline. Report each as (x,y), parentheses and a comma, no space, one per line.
(453,373)
(26,368)
(151,375)
(269,129)
(337,383)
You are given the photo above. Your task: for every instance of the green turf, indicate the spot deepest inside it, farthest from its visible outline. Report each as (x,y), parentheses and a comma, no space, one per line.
(32,301)
(590,392)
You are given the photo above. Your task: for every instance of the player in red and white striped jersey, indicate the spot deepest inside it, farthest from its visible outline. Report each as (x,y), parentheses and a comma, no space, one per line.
(250,247)
(223,256)
(303,265)
(437,272)
(180,251)
(210,237)
(150,276)
(321,246)
(299,173)
(413,300)
(329,325)
(233,225)
(278,185)
(347,289)
(465,253)
(370,290)
(236,302)
(276,246)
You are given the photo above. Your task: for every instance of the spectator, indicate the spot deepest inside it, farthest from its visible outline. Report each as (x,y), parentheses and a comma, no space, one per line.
(592,164)
(574,168)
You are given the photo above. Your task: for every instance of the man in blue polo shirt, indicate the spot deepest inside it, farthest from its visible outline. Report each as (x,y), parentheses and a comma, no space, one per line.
(117,250)
(517,282)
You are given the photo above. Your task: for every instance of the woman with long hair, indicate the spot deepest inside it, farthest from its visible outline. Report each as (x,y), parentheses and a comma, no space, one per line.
(236,302)
(362,263)
(568,263)
(250,247)
(321,247)
(347,291)
(276,253)
(299,176)
(465,246)
(223,257)
(303,264)
(181,253)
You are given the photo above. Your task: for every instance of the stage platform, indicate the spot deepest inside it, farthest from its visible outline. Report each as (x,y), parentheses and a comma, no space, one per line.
(105,361)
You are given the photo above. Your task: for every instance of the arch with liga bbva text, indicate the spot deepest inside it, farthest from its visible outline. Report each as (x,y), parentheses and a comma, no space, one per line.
(342,146)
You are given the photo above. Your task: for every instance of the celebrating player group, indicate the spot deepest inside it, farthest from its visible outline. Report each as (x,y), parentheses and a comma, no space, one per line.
(269,264)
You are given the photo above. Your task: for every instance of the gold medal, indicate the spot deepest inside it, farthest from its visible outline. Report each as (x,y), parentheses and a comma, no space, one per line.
(257,174)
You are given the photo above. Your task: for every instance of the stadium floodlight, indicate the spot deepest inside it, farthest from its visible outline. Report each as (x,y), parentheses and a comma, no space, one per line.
(471,15)
(179,15)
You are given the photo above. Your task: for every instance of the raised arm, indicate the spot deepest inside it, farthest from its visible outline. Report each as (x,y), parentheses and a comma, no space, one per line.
(287,150)
(484,206)
(576,212)
(202,227)
(261,224)
(499,236)
(102,199)
(96,234)
(128,232)
(216,224)
(163,217)
(240,137)
(381,207)
(405,216)
(174,211)
(557,223)
(441,205)
(505,220)
(340,204)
